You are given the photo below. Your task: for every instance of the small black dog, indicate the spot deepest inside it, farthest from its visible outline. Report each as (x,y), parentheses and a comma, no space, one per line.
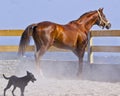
(19,82)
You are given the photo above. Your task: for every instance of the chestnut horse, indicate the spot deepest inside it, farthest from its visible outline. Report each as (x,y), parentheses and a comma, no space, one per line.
(72,36)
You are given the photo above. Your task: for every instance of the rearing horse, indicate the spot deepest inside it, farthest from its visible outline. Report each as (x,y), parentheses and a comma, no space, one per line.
(72,36)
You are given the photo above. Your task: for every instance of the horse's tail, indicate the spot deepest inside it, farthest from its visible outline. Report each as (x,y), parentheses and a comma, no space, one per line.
(6,77)
(25,38)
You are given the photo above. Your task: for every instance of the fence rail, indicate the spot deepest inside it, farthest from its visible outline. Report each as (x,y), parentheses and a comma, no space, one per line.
(103,33)
(91,48)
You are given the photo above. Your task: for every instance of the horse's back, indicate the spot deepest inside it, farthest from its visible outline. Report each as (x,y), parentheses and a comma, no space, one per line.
(45,24)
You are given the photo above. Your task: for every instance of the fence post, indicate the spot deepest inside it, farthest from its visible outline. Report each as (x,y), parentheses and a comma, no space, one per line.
(90,53)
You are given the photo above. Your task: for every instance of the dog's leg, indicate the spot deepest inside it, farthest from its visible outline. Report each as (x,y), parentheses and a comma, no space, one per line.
(22,91)
(8,86)
(13,91)
(5,91)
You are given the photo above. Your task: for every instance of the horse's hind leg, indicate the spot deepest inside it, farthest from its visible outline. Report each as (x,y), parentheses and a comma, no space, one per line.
(38,55)
(43,41)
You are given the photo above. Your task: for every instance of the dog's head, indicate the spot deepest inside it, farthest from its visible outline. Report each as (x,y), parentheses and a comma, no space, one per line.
(31,76)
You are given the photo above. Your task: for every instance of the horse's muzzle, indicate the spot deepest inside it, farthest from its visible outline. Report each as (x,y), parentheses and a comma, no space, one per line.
(108,26)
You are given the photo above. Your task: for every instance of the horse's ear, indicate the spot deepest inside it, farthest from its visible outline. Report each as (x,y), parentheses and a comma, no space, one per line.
(100,9)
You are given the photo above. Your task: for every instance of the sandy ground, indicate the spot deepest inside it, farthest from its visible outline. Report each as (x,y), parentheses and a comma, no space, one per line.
(58,81)
(55,87)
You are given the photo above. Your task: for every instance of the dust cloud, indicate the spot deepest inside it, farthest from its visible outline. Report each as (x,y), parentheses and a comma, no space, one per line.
(68,70)
(60,77)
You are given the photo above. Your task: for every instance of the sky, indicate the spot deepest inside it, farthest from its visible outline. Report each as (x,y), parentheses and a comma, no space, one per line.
(18,14)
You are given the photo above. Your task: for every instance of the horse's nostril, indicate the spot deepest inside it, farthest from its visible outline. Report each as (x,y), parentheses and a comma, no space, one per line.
(108,26)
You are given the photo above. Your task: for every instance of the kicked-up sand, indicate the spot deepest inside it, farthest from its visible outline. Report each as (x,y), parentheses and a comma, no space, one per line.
(59,79)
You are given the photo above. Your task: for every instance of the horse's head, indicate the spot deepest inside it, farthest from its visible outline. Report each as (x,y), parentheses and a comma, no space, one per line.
(102,21)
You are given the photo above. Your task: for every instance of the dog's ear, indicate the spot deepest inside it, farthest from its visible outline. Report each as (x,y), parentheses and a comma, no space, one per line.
(28,72)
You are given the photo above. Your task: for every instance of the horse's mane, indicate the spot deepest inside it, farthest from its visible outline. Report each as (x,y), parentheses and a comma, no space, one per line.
(87,13)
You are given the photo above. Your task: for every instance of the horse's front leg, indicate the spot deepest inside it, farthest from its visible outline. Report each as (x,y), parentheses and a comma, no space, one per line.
(80,55)
(80,63)
(80,67)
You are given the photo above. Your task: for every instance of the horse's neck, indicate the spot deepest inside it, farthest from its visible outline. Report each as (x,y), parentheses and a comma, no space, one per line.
(87,23)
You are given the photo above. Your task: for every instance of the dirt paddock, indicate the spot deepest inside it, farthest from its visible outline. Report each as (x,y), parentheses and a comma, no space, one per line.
(60,78)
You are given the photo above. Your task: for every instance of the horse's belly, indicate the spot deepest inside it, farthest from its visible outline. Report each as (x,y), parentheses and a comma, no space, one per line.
(62,45)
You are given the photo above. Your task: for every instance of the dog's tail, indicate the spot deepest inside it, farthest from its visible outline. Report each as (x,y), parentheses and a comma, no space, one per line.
(5,77)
